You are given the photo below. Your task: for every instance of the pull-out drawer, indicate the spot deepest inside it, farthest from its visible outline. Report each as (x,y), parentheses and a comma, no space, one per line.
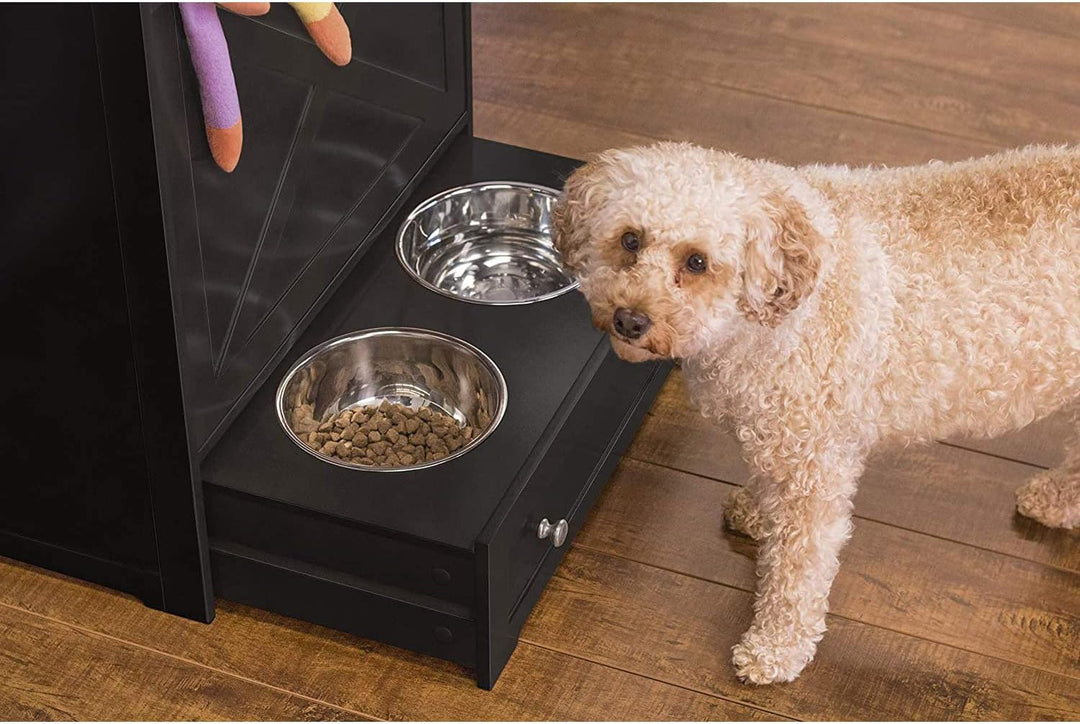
(561,491)
(287,532)
(558,491)
(348,603)
(467,608)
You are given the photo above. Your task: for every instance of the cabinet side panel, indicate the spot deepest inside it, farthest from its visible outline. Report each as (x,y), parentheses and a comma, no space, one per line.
(176,491)
(74,478)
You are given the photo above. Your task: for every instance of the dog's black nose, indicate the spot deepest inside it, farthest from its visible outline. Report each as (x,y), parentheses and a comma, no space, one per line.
(631,324)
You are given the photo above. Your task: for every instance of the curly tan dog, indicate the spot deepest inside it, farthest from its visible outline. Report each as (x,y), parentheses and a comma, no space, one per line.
(824,310)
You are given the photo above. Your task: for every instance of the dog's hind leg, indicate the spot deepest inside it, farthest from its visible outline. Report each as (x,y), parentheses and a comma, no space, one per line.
(1053,496)
(742,514)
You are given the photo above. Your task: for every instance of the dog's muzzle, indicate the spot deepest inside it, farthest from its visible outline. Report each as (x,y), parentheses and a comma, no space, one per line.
(631,324)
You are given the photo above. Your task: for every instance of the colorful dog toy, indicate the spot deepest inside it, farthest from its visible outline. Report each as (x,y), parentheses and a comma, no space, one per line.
(328,29)
(213,68)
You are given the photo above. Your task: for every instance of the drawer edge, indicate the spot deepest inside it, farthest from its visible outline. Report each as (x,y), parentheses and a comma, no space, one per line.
(338,601)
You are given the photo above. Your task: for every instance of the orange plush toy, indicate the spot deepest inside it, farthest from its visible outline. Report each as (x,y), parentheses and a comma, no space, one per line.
(327,28)
(213,68)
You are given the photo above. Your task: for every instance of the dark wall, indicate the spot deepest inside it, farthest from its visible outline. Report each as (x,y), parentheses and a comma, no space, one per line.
(69,384)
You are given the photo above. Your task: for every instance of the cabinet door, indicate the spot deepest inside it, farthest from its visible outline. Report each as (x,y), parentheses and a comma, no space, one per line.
(74,494)
(328,153)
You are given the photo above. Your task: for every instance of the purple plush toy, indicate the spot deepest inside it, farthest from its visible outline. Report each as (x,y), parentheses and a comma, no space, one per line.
(217,87)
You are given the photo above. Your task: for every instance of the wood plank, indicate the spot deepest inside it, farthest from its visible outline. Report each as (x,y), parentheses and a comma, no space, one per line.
(1041,443)
(549,133)
(675,435)
(960,43)
(749,125)
(520,71)
(679,629)
(937,489)
(361,675)
(53,671)
(963,496)
(879,63)
(1059,18)
(977,600)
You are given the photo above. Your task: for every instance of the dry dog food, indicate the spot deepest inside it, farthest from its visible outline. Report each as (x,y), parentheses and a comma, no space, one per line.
(390,435)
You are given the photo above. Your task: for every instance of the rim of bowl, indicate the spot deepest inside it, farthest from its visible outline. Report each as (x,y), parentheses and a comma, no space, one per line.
(399,244)
(484,359)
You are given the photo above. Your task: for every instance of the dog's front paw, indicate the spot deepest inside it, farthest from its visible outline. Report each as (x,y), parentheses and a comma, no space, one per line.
(760,659)
(742,516)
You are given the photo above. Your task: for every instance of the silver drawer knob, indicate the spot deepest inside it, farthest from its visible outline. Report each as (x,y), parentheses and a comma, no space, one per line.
(557,532)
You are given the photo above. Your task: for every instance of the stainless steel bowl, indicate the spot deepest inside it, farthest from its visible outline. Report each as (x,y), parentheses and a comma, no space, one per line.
(412,367)
(487,243)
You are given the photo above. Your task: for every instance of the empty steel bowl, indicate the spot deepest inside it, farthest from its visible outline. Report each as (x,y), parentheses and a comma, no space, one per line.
(412,367)
(488,243)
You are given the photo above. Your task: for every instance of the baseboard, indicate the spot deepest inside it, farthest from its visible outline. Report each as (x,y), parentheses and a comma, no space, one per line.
(140,582)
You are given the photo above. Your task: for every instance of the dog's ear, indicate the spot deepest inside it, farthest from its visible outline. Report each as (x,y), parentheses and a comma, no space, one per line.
(783,257)
(569,215)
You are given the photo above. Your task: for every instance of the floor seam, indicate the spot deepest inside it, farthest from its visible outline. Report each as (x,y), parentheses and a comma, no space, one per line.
(990,146)
(857,516)
(684,687)
(996,23)
(960,446)
(861,622)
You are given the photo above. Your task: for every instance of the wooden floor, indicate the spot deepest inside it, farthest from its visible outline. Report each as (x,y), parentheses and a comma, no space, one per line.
(947,605)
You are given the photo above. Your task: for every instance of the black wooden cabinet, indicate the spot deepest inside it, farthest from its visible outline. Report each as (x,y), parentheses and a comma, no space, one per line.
(154,301)
(148,292)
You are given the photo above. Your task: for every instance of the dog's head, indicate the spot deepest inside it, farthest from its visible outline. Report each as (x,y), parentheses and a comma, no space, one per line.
(676,246)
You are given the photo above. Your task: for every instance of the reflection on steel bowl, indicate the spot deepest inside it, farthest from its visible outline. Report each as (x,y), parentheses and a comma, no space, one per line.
(410,369)
(487,243)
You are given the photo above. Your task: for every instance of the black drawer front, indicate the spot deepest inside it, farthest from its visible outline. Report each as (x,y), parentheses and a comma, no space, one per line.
(281,530)
(565,485)
(551,492)
(558,487)
(341,602)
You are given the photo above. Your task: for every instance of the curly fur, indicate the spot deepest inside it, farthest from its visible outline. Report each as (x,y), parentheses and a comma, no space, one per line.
(840,308)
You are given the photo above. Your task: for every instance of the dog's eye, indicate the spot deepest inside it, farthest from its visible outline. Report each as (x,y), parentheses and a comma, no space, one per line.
(696,263)
(630,241)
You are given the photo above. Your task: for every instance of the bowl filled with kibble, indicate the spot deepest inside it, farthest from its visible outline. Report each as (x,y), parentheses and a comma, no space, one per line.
(391,399)
(486,243)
